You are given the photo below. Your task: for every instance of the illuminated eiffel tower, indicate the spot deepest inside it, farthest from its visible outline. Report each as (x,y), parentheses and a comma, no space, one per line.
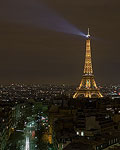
(88,87)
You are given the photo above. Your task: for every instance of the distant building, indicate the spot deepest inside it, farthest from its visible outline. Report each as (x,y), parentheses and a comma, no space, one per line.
(5,126)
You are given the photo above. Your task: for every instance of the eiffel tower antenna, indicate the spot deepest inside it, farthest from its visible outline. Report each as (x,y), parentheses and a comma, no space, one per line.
(88,35)
(88,87)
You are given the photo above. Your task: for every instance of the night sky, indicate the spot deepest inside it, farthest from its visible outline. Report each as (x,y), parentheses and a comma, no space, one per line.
(34,50)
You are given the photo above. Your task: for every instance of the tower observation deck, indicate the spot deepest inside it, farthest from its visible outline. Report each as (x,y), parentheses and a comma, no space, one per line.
(88,87)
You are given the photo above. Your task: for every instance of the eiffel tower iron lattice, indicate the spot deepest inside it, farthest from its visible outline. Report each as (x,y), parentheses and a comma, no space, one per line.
(88,87)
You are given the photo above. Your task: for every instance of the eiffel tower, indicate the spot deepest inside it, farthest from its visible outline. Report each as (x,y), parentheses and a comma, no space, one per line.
(88,87)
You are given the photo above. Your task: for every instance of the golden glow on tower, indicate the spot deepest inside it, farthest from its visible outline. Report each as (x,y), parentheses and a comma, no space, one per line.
(88,62)
(88,87)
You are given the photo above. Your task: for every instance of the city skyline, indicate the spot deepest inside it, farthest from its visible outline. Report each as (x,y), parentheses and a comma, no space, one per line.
(59,75)
(31,54)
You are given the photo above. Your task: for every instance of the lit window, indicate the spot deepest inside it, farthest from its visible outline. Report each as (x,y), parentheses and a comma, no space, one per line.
(82,133)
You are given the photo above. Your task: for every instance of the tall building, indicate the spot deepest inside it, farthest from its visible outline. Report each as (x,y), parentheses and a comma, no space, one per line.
(88,87)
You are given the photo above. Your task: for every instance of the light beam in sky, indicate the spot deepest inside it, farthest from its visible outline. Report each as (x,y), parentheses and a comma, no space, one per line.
(34,12)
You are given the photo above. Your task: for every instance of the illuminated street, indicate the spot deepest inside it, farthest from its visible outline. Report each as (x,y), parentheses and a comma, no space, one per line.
(29,142)
(30,136)
(26,139)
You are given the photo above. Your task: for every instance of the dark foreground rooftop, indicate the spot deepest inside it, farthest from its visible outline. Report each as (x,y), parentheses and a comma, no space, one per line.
(78,146)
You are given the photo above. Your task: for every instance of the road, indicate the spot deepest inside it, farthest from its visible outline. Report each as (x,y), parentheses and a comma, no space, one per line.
(31,133)
(29,137)
(25,139)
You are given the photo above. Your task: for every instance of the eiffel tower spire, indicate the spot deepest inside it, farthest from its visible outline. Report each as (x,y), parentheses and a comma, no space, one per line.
(88,87)
(88,35)
(88,63)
